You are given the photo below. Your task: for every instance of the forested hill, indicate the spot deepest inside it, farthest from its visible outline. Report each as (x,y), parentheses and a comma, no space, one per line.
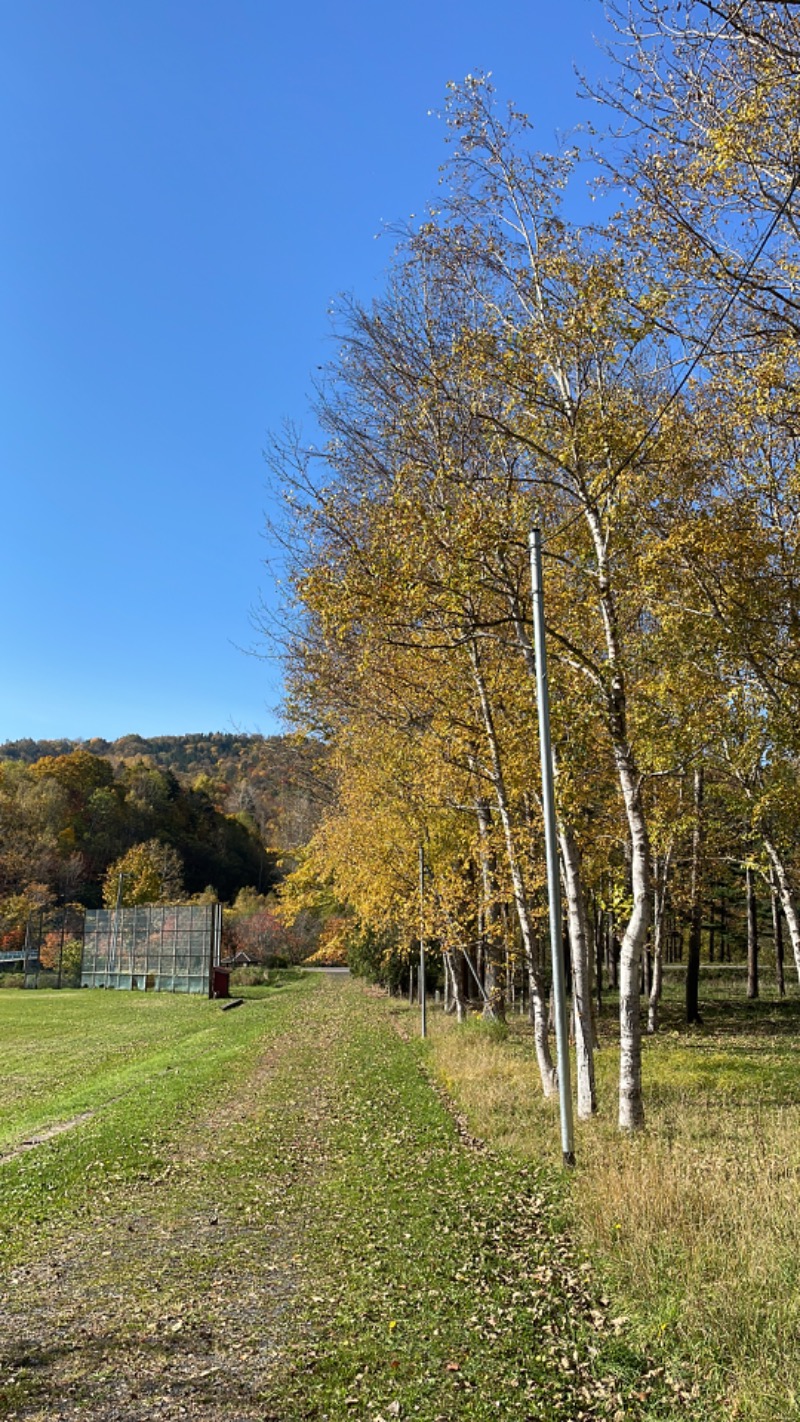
(216,811)
(203,753)
(266,780)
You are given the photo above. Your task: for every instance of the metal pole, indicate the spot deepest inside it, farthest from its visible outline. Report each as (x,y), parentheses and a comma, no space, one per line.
(111,961)
(422,996)
(61,944)
(551,851)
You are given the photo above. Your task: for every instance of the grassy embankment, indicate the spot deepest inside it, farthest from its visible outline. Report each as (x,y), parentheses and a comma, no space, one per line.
(695,1225)
(271,1214)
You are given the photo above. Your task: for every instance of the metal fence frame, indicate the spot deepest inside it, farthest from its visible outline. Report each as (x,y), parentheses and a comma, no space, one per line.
(158,947)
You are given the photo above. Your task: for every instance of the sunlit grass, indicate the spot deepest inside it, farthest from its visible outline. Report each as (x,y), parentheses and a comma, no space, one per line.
(132,1070)
(290,1216)
(695,1224)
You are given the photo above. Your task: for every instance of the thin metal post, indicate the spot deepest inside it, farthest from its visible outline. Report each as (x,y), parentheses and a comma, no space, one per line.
(551,851)
(422,994)
(61,943)
(111,959)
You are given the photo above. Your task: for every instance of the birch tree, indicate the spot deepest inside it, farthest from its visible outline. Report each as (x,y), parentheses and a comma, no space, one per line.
(577,358)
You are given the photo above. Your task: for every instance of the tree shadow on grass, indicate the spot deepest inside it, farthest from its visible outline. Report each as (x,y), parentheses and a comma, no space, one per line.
(736,1017)
(111,1375)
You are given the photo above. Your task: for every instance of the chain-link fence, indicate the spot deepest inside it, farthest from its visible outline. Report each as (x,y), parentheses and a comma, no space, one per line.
(166,948)
(53,947)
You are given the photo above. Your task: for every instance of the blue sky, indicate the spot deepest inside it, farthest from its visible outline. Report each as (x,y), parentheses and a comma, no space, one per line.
(186,187)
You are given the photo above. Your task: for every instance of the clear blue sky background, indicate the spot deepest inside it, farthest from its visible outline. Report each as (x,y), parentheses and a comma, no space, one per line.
(186,186)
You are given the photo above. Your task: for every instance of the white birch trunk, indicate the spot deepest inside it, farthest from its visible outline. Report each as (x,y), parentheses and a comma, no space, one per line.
(544,1059)
(577,920)
(631,1105)
(659,911)
(494,1007)
(581,974)
(456,996)
(786,897)
(449,1005)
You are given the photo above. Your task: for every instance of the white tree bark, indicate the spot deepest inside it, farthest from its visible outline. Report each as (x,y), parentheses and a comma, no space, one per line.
(544,1058)
(456,996)
(659,913)
(581,974)
(631,1105)
(576,918)
(786,897)
(494,1007)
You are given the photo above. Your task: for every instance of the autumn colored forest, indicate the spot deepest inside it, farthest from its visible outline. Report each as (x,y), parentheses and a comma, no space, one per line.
(183,818)
(630,388)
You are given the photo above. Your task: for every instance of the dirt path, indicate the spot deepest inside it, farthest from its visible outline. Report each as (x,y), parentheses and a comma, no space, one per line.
(46,1135)
(176,1302)
(325,1244)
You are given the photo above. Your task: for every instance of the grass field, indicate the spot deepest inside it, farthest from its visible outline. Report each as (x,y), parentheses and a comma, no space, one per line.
(694,1226)
(273,1214)
(125,1073)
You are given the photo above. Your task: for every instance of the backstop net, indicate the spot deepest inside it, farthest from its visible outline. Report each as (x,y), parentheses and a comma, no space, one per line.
(166,948)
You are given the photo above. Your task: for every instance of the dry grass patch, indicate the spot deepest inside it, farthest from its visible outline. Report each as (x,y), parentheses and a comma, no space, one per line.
(694,1226)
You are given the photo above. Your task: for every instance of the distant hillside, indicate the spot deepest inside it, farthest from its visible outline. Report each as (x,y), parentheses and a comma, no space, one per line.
(268,782)
(217,814)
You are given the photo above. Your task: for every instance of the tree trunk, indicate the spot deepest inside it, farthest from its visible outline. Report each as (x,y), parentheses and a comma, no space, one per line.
(612,950)
(509,976)
(787,898)
(576,921)
(752,936)
(457,1001)
(631,1105)
(581,974)
(538,1001)
(494,1005)
(777,931)
(696,909)
(599,934)
(662,872)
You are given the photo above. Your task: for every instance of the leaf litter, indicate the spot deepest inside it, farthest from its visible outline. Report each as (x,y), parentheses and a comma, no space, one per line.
(327,1243)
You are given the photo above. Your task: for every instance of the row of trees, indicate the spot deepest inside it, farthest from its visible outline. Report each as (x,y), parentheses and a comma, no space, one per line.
(630,390)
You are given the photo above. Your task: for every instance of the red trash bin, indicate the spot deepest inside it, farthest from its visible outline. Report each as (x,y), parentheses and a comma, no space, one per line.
(221,982)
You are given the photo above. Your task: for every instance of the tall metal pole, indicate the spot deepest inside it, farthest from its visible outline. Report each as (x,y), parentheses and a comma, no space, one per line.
(551,851)
(422,995)
(61,943)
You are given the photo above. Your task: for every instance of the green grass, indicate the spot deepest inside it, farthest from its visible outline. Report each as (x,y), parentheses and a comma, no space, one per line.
(443,1283)
(139,1067)
(695,1225)
(287,1226)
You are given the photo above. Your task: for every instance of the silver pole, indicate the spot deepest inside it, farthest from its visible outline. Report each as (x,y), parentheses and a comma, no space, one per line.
(111,961)
(551,851)
(422,1001)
